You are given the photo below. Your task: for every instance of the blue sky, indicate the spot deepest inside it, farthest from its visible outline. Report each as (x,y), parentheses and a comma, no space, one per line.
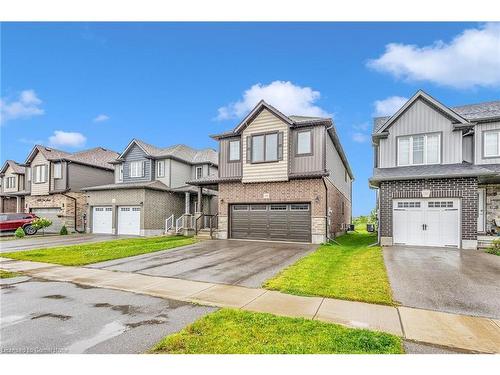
(81,85)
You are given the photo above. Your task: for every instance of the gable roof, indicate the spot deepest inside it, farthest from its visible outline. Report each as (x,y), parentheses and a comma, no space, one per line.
(471,112)
(16,167)
(95,157)
(180,152)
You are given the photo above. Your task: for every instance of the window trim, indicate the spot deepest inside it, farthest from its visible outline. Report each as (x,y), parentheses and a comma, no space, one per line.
(158,164)
(59,165)
(9,185)
(265,134)
(139,162)
(37,168)
(425,135)
(311,151)
(483,144)
(229,160)
(120,173)
(196,172)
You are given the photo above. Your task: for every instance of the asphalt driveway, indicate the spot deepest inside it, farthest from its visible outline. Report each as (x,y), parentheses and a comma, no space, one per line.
(451,280)
(40,316)
(245,263)
(38,241)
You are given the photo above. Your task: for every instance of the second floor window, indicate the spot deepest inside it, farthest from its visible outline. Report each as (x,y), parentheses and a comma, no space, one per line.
(40,174)
(160,168)
(304,145)
(120,172)
(234,150)
(265,148)
(419,149)
(491,144)
(199,172)
(28,174)
(57,170)
(10,183)
(137,169)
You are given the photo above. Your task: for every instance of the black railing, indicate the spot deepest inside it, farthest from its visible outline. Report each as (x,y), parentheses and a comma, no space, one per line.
(205,221)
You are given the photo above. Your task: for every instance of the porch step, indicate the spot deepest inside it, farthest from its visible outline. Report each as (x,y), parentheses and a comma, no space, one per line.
(204,234)
(485,242)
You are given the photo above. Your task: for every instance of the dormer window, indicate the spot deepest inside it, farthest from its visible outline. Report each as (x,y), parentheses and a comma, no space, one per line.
(491,144)
(136,169)
(419,149)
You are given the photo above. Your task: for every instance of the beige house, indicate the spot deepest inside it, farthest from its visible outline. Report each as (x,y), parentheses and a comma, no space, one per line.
(12,187)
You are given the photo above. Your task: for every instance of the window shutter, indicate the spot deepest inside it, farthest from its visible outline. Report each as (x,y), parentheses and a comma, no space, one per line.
(249,149)
(280,146)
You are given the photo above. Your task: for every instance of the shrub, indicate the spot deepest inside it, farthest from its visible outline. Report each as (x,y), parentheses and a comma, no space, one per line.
(63,231)
(495,248)
(19,233)
(41,223)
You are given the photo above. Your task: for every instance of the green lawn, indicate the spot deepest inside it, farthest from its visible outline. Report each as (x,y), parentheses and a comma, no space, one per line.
(8,274)
(230,331)
(77,255)
(351,271)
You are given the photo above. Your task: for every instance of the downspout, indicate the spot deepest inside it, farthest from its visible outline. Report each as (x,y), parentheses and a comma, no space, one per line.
(326,210)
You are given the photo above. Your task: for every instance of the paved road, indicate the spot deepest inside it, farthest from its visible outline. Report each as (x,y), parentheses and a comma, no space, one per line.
(451,280)
(40,316)
(245,263)
(38,242)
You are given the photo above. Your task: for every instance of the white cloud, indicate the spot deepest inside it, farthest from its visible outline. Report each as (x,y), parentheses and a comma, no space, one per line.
(69,139)
(388,106)
(284,95)
(471,59)
(362,127)
(27,105)
(100,118)
(360,137)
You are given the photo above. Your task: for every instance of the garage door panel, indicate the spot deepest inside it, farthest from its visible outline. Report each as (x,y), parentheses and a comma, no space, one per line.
(52,214)
(102,220)
(129,220)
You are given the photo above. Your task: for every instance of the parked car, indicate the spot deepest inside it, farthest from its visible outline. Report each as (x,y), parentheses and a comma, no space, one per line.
(10,222)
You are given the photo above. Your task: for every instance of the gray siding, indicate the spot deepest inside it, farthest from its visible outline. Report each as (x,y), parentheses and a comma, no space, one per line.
(58,183)
(180,173)
(136,154)
(338,175)
(421,118)
(83,176)
(227,169)
(478,144)
(309,163)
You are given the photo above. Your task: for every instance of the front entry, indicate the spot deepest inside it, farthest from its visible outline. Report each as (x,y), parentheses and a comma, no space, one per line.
(426,222)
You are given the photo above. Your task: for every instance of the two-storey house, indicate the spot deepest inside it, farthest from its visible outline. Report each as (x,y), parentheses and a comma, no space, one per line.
(12,187)
(283,178)
(150,185)
(437,173)
(54,182)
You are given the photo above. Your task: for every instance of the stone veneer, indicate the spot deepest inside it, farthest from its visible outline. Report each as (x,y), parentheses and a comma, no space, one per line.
(463,188)
(492,204)
(312,191)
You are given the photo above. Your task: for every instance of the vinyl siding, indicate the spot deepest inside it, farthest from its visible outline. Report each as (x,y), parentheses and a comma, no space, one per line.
(58,183)
(117,173)
(181,173)
(478,145)
(421,118)
(39,189)
(314,162)
(260,172)
(166,178)
(337,170)
(136,154)
(227,169)
(205,170)
(9,173)
(83,176)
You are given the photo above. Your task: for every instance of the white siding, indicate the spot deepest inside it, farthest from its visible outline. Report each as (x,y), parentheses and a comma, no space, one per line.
(421,118)
(39,189)
(480,128)
(276,171)
(337,170)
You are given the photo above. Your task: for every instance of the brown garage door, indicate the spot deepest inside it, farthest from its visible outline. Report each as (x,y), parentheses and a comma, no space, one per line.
(276,222)
(10,205)
(54,215)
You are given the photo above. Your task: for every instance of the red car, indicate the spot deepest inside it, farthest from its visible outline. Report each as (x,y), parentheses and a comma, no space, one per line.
(10,222)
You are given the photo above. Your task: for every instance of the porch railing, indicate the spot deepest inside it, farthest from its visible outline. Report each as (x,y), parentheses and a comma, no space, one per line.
(206,222)
(169,223)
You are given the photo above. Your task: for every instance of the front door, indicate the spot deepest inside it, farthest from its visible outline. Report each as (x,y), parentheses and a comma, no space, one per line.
(481,195)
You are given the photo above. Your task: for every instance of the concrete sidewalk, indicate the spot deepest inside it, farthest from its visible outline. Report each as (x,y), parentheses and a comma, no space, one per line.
(449,330)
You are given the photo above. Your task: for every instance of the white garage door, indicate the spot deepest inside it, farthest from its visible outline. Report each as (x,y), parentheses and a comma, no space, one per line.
(102,220)
(129,220)
(52,214)
(426,222)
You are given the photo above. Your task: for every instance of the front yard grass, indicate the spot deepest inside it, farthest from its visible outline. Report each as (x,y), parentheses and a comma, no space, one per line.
(230,331)
(78,255)
(8,274)
(350,270)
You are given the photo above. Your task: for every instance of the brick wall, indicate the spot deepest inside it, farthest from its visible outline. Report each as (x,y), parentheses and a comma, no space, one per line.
(338,215)
(464,188)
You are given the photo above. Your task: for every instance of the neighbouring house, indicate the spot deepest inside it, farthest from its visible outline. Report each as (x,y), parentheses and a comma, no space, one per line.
(437,173)
(282,178)
(150,187)
(54,182)
(12,187)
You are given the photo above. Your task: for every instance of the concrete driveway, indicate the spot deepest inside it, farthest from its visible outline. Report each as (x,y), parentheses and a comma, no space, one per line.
(451,280)
(40,316)
(245,263)
(38,242)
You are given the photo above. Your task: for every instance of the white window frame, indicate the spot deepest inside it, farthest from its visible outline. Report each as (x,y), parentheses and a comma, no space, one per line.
(230,155)
(410,158)
(196,172)
(57,170)
(497,133)
(39,174)
(120,172)
(10,182)
(309,143)
(160,168)
(136,169)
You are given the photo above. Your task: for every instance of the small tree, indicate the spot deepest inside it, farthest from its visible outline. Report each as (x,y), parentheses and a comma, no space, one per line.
(41,223)
(19,233)
(63,231)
